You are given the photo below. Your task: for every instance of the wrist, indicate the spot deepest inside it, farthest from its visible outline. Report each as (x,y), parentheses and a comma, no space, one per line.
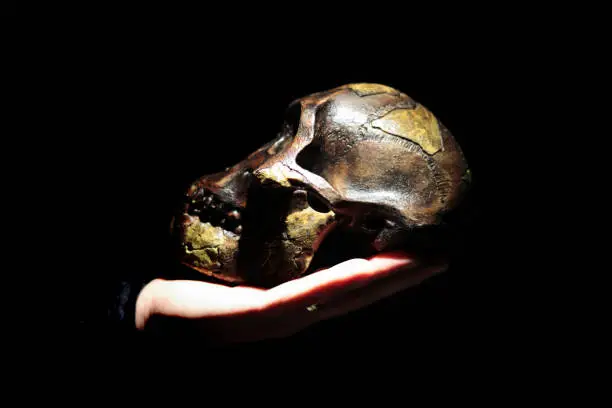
(146,303)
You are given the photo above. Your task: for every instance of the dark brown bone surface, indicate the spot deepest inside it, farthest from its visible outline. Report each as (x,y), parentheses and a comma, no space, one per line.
(361,158)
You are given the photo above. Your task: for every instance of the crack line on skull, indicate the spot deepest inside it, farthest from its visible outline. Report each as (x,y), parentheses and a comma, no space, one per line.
(373,94)
(400,136)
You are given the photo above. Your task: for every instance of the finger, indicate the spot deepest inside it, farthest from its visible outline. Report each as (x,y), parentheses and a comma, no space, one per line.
(339,279)
(360,298)
(194,299)
(355,299)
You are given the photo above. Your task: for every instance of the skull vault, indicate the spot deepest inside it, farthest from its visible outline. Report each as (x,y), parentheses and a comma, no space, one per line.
(362,159)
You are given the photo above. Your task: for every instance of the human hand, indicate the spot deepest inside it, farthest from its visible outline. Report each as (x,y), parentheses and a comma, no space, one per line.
(240,314)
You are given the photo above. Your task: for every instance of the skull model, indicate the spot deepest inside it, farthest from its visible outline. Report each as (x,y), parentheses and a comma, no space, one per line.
(364,159)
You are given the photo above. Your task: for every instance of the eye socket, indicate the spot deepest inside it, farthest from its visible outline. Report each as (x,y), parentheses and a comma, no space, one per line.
(374,222)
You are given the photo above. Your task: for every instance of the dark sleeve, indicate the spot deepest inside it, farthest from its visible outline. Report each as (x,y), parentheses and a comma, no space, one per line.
(121,305)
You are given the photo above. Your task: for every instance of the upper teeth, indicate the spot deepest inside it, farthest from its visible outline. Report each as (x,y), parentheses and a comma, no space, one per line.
(209,209)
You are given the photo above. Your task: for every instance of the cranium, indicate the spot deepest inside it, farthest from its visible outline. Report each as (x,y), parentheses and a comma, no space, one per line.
(362,159)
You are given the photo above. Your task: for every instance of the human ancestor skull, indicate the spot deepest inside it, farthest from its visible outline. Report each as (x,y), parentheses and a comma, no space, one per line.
(365,159)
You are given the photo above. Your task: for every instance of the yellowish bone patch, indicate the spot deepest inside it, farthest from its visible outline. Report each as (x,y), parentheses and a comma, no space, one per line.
(418,125)
(275,174)
(209,245)
(204,235)
(305,225)
(365,89)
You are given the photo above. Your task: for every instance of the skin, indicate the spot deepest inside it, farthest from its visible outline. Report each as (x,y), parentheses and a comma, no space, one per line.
(243,314)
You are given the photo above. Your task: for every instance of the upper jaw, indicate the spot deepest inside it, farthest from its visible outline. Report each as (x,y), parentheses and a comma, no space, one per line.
(250,244)
(209,207)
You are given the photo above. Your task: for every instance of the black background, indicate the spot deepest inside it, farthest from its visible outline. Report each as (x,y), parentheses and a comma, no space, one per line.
(154,114)
(123,112)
